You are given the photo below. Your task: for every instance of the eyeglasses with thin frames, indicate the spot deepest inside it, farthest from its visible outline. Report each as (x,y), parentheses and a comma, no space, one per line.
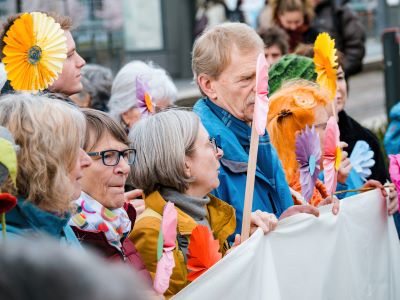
(111,157)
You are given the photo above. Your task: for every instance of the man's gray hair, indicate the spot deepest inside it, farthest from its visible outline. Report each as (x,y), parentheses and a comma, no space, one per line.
(162,142)
(123,91)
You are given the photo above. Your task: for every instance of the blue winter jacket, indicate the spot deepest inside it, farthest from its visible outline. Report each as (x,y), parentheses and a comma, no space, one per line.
(26,218)
(271,191)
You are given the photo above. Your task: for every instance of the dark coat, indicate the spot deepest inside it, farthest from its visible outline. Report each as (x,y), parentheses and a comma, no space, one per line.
(345,27)
(351,132)
(97,240)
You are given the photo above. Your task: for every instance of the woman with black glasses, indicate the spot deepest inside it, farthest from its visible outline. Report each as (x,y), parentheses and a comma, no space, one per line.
(103,218)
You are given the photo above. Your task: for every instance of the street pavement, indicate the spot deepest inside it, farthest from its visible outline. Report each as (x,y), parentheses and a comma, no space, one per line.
(366,100)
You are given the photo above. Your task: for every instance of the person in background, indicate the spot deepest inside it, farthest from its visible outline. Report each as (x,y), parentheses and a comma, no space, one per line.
(295,17)
(345,28)
(69,80)
(96,81)
(177,161)
(351,131)
(49,133)
(123,104)
(276,43)
(104,216)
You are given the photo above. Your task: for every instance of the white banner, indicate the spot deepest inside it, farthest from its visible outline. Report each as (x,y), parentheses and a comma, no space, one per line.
(354,255)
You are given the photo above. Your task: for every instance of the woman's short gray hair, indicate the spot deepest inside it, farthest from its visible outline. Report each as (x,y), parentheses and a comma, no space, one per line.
(162,142)
(123,91)
(97,81)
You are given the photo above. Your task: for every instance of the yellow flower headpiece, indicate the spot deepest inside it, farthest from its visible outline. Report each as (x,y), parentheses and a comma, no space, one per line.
(35,50)
(325,63)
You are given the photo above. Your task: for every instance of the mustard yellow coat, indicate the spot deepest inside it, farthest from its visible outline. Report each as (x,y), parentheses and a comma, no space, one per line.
(221,217)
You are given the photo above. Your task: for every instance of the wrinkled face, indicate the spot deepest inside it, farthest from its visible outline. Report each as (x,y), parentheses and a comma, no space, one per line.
(341,90)
(106,183)
(82,161)
(69,81)
(291,20)
(234,90)
(203,165)
(131,116)
(321,119)
(272,54)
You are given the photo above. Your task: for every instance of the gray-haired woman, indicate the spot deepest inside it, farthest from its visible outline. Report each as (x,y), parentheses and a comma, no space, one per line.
(123,104)
(177,161)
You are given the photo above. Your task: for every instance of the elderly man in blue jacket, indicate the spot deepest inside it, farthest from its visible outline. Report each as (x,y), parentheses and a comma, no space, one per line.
(224,66)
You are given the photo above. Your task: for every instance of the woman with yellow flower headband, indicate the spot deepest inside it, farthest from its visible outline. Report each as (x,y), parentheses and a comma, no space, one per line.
(39,54)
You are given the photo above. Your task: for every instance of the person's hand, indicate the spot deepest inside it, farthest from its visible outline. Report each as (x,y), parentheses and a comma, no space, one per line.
(236,243)
(266,221)
(134,197)
(393,205)
(330,200)
(345,165)
(298,209)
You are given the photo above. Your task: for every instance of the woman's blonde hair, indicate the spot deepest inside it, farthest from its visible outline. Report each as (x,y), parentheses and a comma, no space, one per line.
(279,7)
(291,109)
(49,133)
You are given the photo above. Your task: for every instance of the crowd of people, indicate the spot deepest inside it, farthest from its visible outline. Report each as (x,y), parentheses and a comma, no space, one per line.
(109,163)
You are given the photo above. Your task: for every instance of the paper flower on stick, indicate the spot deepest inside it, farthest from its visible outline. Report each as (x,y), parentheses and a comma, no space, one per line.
(261,105)
(203,252)
(332,155)
(361,159)
(394,171)
(166,244)
(308,155)
(325,63)
(34,52)
(145,102)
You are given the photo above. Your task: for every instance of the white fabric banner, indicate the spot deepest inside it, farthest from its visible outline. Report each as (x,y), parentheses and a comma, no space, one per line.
(354,255)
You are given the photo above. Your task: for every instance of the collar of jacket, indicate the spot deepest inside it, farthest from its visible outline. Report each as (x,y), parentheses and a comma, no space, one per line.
(220,124)
(231,134)
(220,215)
(26,215)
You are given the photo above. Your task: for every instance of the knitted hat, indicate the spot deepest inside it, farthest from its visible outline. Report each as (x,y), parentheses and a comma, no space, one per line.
(290,67)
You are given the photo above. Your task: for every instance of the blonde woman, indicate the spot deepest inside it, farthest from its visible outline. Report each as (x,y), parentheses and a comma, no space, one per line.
(49,133)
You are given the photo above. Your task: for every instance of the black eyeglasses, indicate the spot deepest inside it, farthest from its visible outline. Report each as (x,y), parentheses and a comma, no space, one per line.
(111,157)
(213,143)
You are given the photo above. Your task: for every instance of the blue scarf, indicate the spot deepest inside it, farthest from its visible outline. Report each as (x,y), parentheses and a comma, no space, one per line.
(242,132)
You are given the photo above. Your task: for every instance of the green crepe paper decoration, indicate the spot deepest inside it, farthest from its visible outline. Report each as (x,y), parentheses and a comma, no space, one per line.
(8,157)
(290,67)
(160,245)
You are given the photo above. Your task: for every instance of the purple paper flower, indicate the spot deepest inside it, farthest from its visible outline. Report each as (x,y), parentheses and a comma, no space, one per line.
(308,155)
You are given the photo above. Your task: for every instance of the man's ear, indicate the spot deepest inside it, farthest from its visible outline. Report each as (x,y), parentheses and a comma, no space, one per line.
(205,83)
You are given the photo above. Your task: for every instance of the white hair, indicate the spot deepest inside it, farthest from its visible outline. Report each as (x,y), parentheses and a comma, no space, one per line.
(123,91)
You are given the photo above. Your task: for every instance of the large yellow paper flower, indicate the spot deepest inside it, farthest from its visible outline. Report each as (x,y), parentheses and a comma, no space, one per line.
(35,50)
(325,63)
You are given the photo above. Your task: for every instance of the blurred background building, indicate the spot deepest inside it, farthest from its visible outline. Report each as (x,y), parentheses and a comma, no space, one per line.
(112,32)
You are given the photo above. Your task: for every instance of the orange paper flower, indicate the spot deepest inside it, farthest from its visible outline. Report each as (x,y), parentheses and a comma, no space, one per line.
(35,50)
(325,63)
